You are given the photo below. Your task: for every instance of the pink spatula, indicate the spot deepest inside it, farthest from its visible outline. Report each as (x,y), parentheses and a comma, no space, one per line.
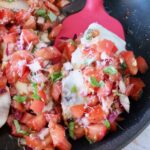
(93,11)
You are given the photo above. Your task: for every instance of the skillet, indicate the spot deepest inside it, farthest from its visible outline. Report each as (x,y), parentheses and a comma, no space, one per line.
(134,16)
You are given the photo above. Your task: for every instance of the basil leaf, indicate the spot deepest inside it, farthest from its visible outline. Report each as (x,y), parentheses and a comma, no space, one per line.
(110,70)
(71,129)
(35,91)
(73,89)
(52,16)
(18,128)
(56,76)
(94,82)
(19,98)
(107,123)
(41,12)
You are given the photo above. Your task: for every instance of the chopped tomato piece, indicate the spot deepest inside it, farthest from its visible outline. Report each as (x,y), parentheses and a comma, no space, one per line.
(56,30)
(29,36)
(96,132)
(130,61)
(25,76)
(10,38)
(58,136)
(107,46)
(56,91)
(142,64)
(42,94)
(26,117)
(18,106)
(49,53)
(137,89)
(95,114)
(3,81)
(37,123)
(37,106)
(30,23)
(77,111)
(78,131)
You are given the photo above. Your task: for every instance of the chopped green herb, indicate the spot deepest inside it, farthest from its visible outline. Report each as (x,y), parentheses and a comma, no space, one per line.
(52,16)
(56,76)
(41,12)
(35,91)
(94,82)
(110,70)
(71,129)
(33,50)
(73,89)
(20,98)
(102,84)
(107,123)
(18,128)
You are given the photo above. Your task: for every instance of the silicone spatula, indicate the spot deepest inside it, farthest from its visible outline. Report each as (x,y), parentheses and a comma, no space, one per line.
(93,11)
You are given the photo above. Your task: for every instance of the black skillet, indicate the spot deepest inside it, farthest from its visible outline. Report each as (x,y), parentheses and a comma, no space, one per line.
(134,16)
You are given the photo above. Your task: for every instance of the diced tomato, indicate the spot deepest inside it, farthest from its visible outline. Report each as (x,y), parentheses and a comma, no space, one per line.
(108,47)
(3,32)
(29,36)
(130,61)
(58,136)
(37,106)
(6,15)
(49,53)
(35,142)
(142,64)
(26,117)
(3,81)
(78,131)
(69,48)
(37,123)
(18,106)
(55,31)
(56,91)
(95,114)
(113,127)
(96,132)
(10,38)
(137,89)
(30,23)
(25,76)
(54,68)
(77,111)
(42,94)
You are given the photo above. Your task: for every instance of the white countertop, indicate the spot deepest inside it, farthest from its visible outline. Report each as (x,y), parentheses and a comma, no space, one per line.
(142,142)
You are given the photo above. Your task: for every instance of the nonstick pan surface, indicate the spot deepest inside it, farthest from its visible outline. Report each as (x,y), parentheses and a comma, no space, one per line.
(134,16)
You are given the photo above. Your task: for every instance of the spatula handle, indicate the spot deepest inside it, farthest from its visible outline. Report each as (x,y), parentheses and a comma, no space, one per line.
(94,4)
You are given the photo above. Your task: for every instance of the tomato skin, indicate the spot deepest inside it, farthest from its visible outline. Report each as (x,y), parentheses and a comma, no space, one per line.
(77,111)
(24,77)
(49,53)
(37,123)
(137,89)
(58,136)
(96,132)
(29,36)
(56,91)
(142,64)
(55,31)
(108,47)
(42,94)
(130,61)
(95,114)
(37,106)
(78,131)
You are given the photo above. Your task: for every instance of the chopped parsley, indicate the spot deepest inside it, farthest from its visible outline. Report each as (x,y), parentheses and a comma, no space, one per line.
(20,98)
(41,12)
(18,128)
(110,70)
(10,0)
(95,83)
(56,76)
(71,129)
(107,123)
